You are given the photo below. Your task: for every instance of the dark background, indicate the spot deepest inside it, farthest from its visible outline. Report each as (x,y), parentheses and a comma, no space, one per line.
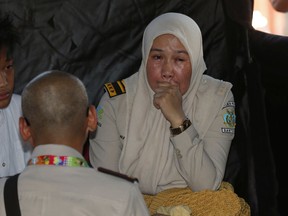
(100,41)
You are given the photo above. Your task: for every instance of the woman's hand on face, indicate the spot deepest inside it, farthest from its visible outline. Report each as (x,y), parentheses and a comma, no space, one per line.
(168,99)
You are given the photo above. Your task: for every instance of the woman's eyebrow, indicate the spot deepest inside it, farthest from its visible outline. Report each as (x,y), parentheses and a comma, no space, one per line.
(156,50)
(160,50)
(182,51)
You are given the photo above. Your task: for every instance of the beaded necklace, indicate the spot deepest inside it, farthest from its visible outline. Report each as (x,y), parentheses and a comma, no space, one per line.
(58,161)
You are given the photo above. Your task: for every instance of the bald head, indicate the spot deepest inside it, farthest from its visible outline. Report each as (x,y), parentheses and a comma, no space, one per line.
(55,104)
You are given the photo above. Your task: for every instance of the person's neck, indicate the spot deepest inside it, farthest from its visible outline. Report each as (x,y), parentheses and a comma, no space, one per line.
(76,146)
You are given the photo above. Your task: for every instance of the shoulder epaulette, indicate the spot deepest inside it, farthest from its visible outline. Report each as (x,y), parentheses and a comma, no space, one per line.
(117,174)
(115,88)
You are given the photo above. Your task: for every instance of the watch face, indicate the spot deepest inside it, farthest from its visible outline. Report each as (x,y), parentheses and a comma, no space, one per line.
(181,128)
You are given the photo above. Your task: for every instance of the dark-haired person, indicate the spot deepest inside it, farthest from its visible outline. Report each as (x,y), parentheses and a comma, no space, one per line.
(14,152)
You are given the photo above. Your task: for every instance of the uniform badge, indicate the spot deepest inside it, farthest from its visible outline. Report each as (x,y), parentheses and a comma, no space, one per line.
(117,174)
(99,111)
(230,118)
(115,88)
(229,121)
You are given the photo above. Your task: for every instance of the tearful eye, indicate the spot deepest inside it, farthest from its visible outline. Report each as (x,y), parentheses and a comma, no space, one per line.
(9,67)
(156,57)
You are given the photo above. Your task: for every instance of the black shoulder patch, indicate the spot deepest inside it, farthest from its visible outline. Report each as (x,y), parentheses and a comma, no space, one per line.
(117,174)
(115,88)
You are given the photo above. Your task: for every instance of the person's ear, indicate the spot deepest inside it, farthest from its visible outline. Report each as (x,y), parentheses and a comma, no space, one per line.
(92,118)
(24,129)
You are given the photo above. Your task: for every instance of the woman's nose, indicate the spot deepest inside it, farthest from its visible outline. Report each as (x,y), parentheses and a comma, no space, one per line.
(3,78)
(167,71)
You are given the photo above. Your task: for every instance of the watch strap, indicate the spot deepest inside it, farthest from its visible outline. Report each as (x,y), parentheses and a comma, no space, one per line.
(175,131)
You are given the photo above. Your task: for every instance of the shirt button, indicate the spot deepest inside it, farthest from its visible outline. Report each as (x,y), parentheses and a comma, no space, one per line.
(178,153)
(3,164)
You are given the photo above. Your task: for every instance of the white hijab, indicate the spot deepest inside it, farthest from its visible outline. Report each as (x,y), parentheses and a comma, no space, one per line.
(147,145)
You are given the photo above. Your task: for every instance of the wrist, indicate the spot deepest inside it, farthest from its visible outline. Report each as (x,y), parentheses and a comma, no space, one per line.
(177,120)
(177,130)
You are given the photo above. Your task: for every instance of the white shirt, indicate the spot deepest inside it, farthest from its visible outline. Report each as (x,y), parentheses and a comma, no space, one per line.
(14,153)
(62,190)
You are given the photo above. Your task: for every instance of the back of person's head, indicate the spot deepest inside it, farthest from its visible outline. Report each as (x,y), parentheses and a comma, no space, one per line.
(8,34)
(56,108)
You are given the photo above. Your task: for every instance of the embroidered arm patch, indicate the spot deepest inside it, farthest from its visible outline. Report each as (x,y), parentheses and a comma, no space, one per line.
(229,118)
(115,88)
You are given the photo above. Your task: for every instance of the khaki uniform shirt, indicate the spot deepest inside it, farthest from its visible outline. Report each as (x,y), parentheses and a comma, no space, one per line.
(65,191)
(192,159)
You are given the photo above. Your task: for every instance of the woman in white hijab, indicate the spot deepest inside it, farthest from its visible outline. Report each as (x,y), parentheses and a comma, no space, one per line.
(168,125)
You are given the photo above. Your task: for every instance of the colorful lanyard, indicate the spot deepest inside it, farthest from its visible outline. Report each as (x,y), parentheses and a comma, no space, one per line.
(58,161)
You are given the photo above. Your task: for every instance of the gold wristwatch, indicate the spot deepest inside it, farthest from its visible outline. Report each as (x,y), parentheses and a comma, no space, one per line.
(175,131)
